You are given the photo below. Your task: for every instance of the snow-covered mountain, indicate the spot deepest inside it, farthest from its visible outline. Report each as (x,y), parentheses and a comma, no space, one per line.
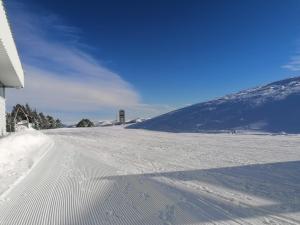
(272,108)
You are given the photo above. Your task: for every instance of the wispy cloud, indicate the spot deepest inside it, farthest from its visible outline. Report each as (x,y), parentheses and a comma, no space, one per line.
(60,75)
(294,63)
(50,91)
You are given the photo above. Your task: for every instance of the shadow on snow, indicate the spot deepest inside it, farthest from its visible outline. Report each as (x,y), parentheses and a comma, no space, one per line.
(276,183)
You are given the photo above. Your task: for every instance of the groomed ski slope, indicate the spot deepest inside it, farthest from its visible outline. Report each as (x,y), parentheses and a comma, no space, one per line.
(120,176)
(19,152)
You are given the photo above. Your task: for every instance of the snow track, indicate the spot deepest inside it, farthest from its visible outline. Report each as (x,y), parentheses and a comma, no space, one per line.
(82,180)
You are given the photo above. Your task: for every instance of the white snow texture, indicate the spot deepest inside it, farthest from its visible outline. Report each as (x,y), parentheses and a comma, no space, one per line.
(123,176)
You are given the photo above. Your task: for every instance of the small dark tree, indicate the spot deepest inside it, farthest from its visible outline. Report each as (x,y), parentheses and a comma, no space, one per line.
(59,123)
(28,111)
(85,123)
(51,122)
(36,120)
(44,122)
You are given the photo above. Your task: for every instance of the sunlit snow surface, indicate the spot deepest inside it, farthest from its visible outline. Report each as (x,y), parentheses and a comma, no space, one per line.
(18,153)
(120,176)
(271,108)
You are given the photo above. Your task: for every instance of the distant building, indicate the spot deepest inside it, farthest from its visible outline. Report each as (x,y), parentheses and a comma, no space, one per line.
(11,72)
(122,116)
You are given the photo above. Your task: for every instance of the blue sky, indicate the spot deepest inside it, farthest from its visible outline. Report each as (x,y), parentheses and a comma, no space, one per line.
(89,59)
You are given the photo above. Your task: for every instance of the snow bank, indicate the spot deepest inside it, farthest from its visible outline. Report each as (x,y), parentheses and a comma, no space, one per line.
(18,153)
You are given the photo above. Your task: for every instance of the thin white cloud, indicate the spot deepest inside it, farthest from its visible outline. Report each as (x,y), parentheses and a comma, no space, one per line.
(294,64)
(49,91)
(60,76)
(53,69)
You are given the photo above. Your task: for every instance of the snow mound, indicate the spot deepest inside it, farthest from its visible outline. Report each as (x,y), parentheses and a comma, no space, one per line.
(18,153)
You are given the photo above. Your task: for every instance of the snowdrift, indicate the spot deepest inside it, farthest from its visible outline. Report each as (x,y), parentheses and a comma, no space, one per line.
(271,108)
(18,153)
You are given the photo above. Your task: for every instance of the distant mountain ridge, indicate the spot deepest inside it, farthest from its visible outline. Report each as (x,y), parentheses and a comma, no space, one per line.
(274,107)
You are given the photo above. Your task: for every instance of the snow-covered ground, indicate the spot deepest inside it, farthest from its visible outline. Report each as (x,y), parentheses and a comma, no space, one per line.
(119,176)
(269,108)
(18,153)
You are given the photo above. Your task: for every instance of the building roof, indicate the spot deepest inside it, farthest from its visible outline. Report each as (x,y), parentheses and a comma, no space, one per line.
(11,72)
